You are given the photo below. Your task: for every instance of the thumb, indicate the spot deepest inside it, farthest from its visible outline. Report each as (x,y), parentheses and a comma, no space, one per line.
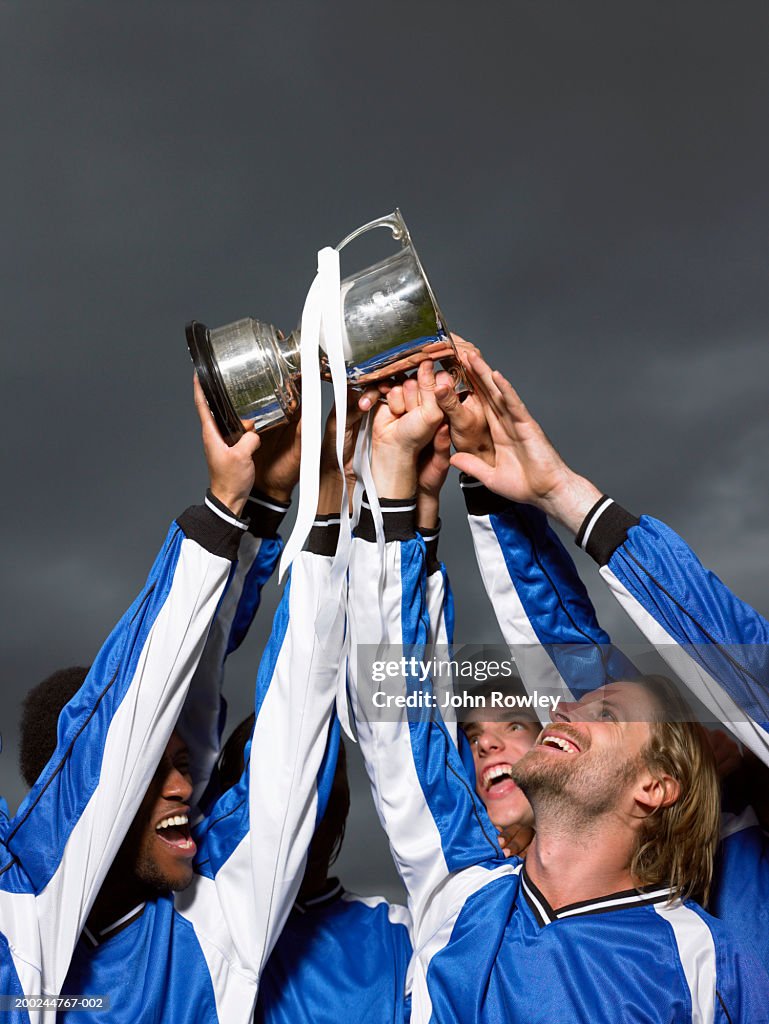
(446,397)
(248,443)
(473,466)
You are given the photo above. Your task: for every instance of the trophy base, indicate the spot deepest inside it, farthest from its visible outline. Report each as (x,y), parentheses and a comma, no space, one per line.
(225,417)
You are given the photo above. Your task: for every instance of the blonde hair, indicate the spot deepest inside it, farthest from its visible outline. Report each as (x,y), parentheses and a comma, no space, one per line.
(677,843)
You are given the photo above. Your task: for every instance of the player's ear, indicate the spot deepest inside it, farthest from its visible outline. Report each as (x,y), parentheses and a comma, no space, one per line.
(652,792)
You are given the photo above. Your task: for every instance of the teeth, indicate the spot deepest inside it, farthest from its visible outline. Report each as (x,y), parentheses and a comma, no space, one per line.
(497,771)
(559,741)
(176,819)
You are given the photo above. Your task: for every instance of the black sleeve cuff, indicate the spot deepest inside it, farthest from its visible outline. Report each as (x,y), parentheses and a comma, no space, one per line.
(266,513)
(214,533)
(324,535)
(430,537)
(399,517)
(604,529)
(480,501)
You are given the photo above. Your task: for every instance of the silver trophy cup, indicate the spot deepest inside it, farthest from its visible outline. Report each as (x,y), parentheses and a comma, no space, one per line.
(391,323)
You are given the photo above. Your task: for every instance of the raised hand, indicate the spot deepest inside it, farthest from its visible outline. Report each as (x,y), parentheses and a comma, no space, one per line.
(230,469)
(276,463)
(526,467)
(432,468)
(330,494)
(401,429)
(467,419)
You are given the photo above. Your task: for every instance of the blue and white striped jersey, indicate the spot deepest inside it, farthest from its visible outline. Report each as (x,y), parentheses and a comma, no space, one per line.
(340,957)
(201,952)
(539,599)
(55,852)
(484,949)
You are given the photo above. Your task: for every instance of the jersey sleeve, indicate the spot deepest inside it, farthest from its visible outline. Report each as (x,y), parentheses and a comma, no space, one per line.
(436,826)
(111,736)
(540,602)
(252,846)
(202,719)
(717,644)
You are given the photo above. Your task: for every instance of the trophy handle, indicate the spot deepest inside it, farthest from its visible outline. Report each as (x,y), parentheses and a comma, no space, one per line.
(394,221)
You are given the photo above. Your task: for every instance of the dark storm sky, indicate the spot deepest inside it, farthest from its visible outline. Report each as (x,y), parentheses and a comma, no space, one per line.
(586,184)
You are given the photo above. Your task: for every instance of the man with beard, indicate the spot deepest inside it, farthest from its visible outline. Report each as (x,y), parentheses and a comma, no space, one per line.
(599,924)
(545,613)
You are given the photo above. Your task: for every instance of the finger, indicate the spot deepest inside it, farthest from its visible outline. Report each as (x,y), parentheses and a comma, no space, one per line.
(463,345)
(411,395)
(426,385)
(488,381)
(249,442)
(396,401)
(484,374)
(511,399)
(211,435)
(473,466)
(447,398)
(442,440)
(367,399)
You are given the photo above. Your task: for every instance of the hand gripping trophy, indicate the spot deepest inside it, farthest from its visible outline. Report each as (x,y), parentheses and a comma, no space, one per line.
(391,322)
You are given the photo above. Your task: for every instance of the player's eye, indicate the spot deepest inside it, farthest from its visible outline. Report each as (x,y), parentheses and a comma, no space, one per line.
(607,715)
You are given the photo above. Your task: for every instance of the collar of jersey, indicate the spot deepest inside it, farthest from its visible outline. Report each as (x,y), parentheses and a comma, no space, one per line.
(332,891)
(544,913)
(95,939)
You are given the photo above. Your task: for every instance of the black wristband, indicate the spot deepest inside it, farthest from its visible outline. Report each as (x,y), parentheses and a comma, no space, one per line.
(399,517)
(604,529)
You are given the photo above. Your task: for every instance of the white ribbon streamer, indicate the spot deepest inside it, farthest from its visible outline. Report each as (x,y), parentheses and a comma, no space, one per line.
(322,326)
(312,427)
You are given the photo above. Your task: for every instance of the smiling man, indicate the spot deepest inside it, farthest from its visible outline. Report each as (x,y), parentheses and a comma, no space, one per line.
(597,927)
(497,745)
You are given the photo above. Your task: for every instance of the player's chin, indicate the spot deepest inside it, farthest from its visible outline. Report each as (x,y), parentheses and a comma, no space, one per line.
(177,876)
(182,879)
(513,812)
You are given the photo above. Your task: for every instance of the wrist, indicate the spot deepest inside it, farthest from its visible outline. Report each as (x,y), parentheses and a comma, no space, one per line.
(235,502)
(270,490)
(570,500)
(427,512)
(330,493)
(395,473)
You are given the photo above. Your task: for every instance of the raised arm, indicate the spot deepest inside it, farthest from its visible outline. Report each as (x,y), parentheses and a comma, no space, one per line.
(718,645)
(435,823)
(276,471)
(252,847)
(57,849)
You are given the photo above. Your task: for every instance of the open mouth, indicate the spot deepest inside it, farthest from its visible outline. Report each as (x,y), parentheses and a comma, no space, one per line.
(174,831)
(555,741)
(498,780)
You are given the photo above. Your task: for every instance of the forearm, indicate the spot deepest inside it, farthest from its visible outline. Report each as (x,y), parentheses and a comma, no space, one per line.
(113,732)
(202,717)
(255,841)
(715,642)
(541,604)
(425,801)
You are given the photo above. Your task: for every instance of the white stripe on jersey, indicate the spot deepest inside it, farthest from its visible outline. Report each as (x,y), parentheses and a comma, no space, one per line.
(136,736)
(438,924)
(702,684)
(697,952)
(535,665)
(593,520)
